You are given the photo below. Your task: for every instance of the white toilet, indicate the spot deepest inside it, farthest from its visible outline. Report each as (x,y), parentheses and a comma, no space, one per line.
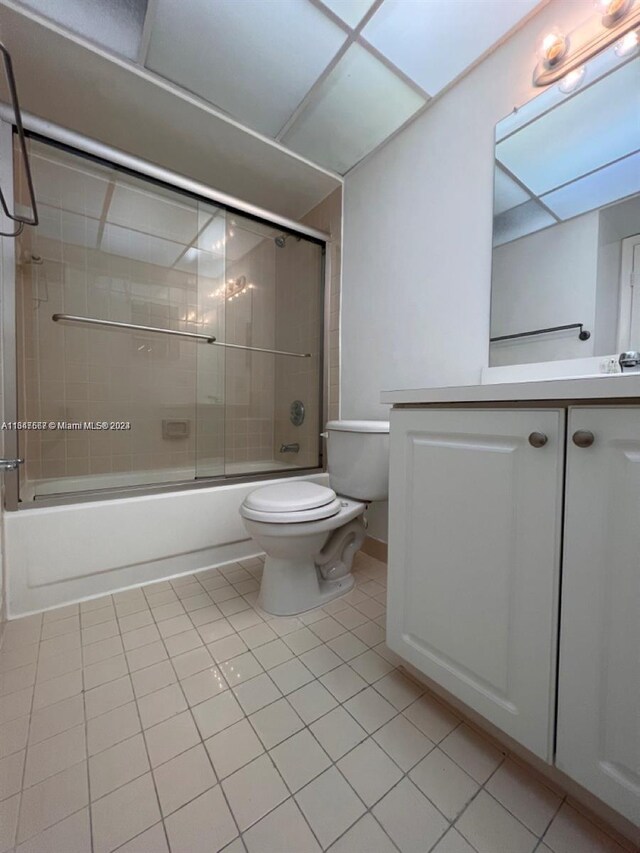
(311,533)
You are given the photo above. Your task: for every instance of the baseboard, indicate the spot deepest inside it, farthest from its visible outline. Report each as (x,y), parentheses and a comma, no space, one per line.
(375,548)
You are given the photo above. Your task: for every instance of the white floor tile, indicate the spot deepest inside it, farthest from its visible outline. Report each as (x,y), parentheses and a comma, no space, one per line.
(171,737)
(50,801)
(300,759)
(256,693)
(488,826)
(227,648)
(275,722)
(366,836)
(99,673)
(403,742)
(472,752)
(431,717)
(203,685)
(234,747)
(117,765)
(338,732)
(330,806)
(369,771)
(107,697)
(343,682)
(13,736)
(302,641)
(183,778)
(444,783)
(312,701)
(347,646)
(254,791)
(284,830)
(50,756)
(71,835)
(453,842)
(161,705)
(11,770)
(217,713)
(111,728)
(524,796)
(153,678)
(570,831)
(150,841)
(191,662)
(410,820)
(241,668)
(320,660)
(371,666)
(56,718)
(291,675)
(123,814)
(327,628)
(398,689)
(370,709)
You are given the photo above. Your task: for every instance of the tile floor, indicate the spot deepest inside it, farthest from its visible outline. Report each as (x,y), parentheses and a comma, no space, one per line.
(179,717)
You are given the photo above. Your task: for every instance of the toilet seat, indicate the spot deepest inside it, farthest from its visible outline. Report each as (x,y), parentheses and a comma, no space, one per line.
(286,503)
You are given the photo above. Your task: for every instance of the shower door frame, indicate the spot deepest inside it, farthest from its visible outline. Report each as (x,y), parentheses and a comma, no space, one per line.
(84,146)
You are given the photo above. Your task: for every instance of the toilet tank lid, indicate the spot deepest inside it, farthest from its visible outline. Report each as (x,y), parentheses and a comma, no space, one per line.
(294,496)
(358,426)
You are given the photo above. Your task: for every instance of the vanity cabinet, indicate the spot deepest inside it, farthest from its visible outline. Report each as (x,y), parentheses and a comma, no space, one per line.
(474,556)
(485,520)
(598,742)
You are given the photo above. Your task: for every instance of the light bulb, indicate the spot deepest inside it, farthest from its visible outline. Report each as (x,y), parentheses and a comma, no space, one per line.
(627,44)
(612,10)
(572,80)
(553,48)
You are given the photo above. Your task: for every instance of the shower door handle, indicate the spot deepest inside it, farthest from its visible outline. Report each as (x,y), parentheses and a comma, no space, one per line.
(10,464)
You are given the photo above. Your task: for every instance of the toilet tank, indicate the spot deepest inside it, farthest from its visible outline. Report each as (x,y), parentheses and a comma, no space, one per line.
(358,459)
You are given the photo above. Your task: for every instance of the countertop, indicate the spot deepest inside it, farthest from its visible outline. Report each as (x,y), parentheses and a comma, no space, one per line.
(604,386)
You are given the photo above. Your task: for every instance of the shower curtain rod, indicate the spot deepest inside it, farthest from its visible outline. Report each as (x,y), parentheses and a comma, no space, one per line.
(209,339)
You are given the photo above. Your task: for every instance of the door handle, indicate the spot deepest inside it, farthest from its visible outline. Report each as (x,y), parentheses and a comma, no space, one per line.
(538,439)
(583,438)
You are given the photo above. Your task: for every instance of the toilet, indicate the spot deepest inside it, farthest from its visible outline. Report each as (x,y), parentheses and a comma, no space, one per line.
(310,532)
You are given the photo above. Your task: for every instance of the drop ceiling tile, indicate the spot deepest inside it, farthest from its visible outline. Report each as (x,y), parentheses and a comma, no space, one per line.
(114,24)
(253,59)
(359,104)
(432,42)
(350,11)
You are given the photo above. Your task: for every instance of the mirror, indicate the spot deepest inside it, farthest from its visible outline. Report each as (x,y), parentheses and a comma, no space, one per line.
(566,218)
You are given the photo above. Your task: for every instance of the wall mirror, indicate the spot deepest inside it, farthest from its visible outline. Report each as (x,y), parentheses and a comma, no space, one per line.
(566,218)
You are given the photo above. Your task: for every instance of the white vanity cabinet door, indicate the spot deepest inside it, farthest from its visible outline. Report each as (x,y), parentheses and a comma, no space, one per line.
(598,742)
(474,552)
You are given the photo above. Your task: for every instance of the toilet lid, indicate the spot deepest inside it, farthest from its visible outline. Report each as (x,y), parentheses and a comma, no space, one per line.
(296,496)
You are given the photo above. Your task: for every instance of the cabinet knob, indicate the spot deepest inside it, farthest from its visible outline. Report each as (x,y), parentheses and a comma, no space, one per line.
(583,438)
(538,439)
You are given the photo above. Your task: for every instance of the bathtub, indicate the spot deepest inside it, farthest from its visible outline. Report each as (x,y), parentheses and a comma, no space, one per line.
(29,489)
(61,554)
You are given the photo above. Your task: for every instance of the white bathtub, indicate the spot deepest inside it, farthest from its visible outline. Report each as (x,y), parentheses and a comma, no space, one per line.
(57,555)
(126,479)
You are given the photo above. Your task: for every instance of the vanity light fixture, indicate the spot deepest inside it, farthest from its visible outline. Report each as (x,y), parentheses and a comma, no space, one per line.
(572,80)
(559,55)
(613,10)
(553,48)
(628,43)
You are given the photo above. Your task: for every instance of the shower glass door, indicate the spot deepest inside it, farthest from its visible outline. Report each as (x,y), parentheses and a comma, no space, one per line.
(115,407)
(113,247)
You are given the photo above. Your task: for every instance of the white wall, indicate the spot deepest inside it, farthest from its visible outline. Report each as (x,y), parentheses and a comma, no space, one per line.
(417,233)
(546,279)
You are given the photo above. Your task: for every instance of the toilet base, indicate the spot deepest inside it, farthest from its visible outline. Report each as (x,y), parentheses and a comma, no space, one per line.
(293,586)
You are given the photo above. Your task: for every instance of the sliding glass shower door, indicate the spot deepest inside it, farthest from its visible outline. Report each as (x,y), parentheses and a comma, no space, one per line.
(160,338)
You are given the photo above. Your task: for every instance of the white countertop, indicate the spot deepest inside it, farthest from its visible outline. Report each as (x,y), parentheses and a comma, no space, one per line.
(615,386)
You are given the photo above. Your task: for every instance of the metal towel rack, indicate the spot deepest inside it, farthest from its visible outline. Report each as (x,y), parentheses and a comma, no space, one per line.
(584,335)
(209,339)
(13,91)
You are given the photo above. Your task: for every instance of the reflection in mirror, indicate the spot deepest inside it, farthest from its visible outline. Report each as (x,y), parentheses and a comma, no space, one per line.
(566,226)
